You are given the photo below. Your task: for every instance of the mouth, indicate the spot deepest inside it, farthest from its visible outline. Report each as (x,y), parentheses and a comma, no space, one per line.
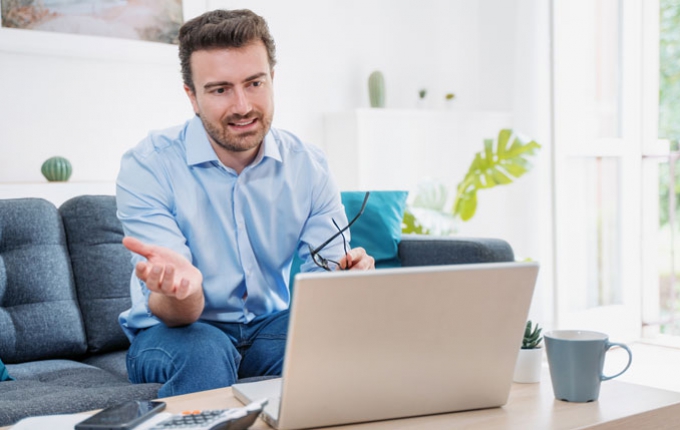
(243,125)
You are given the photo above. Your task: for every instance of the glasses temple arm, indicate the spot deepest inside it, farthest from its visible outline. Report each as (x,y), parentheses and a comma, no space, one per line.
(356,217)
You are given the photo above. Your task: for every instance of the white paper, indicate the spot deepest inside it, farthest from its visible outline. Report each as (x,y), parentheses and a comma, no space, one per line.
(67,422)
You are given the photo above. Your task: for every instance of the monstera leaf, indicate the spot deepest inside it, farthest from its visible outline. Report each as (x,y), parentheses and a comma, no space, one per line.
(491,167)
(411,225)
(427,213)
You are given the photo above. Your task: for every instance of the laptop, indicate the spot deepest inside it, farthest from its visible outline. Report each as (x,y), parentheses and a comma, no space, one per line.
(393,343)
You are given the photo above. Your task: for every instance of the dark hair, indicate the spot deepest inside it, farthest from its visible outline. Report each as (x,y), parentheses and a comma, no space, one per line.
(222,29)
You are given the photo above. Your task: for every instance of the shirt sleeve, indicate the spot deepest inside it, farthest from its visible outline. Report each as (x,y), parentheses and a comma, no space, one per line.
(326,207)
(145,208)
(146,204)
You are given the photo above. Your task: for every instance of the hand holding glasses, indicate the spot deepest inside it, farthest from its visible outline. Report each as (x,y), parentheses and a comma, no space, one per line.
(324,262)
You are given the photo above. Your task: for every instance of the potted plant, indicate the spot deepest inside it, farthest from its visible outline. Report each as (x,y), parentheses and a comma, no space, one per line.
(448,99)
(499,163)
(422,93)
(528,366)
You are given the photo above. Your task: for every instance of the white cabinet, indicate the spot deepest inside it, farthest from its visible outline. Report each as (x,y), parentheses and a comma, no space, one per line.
(55,192)
(382,149)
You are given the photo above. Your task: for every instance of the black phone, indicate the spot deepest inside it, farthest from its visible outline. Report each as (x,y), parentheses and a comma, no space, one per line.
(123,416)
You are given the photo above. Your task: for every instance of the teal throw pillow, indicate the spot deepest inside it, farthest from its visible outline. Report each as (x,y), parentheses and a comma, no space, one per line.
(4,375)
(378,230)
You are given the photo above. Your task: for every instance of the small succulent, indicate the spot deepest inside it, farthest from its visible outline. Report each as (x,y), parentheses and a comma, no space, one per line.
(532,337)
(449,96)
(422,93)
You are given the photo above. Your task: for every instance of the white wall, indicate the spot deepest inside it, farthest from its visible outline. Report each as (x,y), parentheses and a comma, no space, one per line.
(85,98)
(90,98)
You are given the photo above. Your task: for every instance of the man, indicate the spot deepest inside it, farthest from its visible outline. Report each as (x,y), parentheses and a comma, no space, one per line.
(214,212)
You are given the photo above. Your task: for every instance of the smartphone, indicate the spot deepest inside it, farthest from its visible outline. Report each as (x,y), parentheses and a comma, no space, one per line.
(124,416)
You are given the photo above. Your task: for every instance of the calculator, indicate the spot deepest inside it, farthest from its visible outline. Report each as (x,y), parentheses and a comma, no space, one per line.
(219,419)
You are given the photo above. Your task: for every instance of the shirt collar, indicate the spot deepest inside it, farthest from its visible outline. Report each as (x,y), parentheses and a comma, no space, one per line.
(198,146)
(199,150)
(271,147)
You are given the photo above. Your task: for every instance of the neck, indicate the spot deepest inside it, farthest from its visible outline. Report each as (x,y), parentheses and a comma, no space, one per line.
(237,160)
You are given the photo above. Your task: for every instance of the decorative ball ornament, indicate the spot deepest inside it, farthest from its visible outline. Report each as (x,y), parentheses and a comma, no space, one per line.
(56,169)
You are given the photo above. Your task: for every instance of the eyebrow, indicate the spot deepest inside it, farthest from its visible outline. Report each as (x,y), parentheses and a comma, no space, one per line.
(227,83)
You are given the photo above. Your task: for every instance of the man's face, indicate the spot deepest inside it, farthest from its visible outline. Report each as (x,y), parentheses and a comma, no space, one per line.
(234,96)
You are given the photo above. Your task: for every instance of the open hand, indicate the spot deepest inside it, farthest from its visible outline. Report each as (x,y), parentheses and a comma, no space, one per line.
(165,271)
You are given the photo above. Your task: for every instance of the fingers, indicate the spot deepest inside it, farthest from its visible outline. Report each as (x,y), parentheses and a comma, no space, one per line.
(161,279)
(345,262)
(141,270)
(167,285)
(152,275)
(137,246)
(357,259)
(183,289)
(165,271)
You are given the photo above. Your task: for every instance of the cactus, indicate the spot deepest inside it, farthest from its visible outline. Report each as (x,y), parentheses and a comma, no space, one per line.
(532,338)
(376,89)
(56,169)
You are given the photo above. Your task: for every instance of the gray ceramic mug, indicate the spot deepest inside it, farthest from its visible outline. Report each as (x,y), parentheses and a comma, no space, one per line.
(576,360)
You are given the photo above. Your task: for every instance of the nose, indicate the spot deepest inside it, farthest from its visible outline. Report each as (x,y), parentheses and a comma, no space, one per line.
(241,104)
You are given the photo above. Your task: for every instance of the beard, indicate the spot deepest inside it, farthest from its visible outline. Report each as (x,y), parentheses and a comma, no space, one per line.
(229,140)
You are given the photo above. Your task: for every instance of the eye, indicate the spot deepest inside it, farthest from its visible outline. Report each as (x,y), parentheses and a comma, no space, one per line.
(257,83)
(220,91)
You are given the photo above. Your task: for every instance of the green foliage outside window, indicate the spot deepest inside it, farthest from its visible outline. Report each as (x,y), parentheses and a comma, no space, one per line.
(669,96)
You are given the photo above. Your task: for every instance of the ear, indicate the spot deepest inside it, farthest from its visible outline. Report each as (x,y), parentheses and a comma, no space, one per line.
(272,74)
(192,98)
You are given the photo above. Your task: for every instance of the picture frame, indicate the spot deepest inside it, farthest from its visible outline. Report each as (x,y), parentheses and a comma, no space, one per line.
(70,45)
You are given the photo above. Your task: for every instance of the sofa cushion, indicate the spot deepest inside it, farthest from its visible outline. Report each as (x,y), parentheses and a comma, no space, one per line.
(378,230)
(101,268)
(63,386)
(113,362)
(39,315)
(420,250)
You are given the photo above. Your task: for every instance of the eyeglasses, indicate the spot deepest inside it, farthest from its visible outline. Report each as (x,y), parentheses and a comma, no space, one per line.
(324,262)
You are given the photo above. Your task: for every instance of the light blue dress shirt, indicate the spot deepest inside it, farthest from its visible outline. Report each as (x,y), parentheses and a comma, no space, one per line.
(239,230)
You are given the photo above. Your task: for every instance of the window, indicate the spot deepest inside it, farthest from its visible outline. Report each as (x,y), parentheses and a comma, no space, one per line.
(662,187)
(597,164)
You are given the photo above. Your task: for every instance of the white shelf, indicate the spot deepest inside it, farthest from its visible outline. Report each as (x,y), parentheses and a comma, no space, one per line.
(382,149)
(55,192)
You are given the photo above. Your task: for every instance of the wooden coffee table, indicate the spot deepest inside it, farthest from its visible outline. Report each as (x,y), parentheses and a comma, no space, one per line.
(530,406)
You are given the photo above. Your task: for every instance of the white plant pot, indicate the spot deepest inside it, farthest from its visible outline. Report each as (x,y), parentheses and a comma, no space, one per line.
(528,367)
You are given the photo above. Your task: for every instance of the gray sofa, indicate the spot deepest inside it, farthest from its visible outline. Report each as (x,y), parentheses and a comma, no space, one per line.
(64,277)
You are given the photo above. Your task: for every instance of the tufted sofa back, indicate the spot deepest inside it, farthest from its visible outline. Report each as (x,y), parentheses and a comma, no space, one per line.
(64,278)
(101,268)
(39,313)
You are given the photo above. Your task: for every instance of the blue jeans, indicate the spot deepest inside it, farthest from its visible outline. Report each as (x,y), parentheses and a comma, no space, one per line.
(207,355)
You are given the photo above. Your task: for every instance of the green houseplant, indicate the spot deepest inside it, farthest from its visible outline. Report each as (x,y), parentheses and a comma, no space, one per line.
(532,337)
(499,163)
(530,356)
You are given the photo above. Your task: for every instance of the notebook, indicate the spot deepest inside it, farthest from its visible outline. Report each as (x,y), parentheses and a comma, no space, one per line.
(391,343)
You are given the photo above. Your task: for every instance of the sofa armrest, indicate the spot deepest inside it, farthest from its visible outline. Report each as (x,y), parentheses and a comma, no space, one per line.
(421,250)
